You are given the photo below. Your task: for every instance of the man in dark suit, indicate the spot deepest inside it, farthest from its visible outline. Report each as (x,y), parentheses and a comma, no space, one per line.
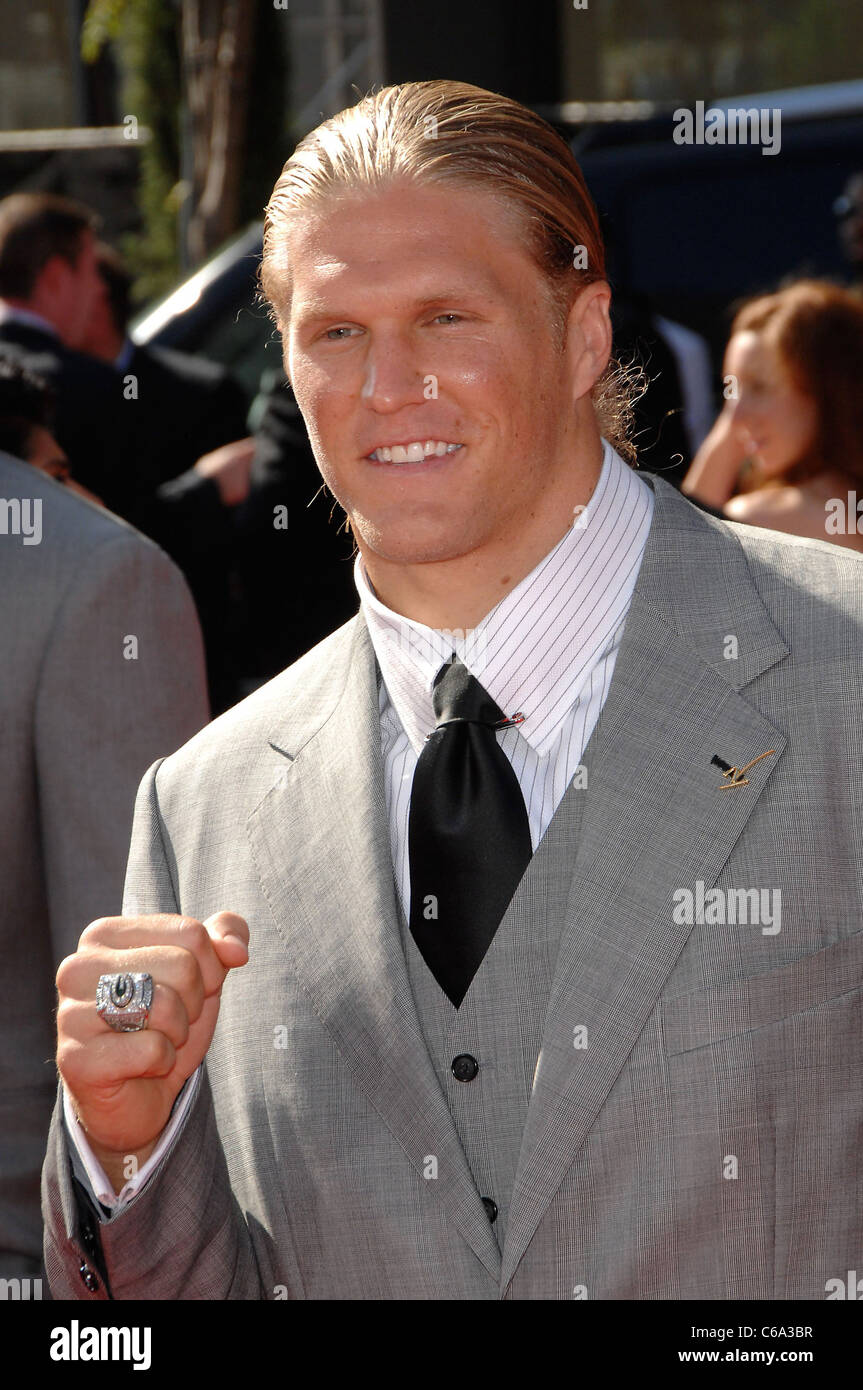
(48,287)
(112,428)
(126,432)
(198,465)
(199,405)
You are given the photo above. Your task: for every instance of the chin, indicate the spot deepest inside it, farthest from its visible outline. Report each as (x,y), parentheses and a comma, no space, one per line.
(767,467)
(406,545)
(773,472)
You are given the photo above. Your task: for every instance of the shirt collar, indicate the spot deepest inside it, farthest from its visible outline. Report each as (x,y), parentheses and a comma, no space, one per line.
(534,650)
(10,313)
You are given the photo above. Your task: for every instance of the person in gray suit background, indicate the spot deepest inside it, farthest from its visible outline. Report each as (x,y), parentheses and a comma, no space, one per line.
(508,944)
(102,671)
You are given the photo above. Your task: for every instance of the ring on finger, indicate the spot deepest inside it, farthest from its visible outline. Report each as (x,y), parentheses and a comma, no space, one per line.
(124,1000)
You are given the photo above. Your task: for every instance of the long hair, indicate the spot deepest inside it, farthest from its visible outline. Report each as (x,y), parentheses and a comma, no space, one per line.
(454,133)
(816,329)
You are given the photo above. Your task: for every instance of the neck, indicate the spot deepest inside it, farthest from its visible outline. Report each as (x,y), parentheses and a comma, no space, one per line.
(457,593)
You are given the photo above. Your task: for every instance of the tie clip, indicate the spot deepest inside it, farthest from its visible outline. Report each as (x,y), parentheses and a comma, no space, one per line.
(508,723)
(501,723)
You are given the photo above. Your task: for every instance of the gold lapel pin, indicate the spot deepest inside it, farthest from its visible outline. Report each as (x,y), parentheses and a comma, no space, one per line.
(735,774)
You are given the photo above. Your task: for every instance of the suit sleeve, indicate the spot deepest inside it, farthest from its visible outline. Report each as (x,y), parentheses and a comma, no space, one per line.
(122,683)
(182,1235)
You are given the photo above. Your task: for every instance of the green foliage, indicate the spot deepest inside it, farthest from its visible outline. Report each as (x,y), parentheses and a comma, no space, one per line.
(145,36)
(681,50)
(822,44)
(101,24)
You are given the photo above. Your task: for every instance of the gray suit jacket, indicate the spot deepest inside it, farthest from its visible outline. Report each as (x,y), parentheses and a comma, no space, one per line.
(81,721)
(693,1127)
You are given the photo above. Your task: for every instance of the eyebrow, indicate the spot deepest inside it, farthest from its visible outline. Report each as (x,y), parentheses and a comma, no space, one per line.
(313,311)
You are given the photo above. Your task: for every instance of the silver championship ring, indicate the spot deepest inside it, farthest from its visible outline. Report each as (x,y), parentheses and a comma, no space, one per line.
(124,1001)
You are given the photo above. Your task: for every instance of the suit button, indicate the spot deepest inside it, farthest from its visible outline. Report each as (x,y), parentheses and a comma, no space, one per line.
(88,1278)
(490,1209)
(88,1237)
(465,1067)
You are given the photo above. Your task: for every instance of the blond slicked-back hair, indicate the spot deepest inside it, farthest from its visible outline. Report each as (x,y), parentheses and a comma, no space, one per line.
(451,132)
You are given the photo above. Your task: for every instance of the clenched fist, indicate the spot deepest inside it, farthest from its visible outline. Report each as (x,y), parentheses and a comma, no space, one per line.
(123,1085)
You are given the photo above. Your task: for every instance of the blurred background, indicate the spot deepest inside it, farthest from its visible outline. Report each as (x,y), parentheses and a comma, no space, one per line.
(173,117)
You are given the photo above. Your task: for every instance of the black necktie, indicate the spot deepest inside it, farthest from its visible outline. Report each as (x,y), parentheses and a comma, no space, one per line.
(468,834)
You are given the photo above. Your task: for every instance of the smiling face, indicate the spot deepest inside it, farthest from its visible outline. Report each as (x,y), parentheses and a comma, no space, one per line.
(444,413)
(773,419)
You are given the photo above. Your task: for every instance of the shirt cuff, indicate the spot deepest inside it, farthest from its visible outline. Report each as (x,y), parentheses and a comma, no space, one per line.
(90,1171)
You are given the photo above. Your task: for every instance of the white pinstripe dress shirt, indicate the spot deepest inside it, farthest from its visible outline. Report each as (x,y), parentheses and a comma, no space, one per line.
(547,650)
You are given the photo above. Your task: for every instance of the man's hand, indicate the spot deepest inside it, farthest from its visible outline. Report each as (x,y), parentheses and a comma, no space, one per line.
(123,1085)
(230,468)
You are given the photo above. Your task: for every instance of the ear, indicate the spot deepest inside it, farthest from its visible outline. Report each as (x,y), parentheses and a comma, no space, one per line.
(588,336)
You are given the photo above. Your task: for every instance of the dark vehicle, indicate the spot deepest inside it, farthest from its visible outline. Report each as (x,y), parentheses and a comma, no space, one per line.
(216,313)
(696,227)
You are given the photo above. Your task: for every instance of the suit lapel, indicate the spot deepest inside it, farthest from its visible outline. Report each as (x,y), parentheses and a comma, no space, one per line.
(322,849)
(656,819)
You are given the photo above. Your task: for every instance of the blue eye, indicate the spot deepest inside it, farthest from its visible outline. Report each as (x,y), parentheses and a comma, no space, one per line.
(455,318)
(337,330)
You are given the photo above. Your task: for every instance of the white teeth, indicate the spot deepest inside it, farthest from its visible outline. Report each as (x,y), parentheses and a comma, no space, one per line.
(414,452)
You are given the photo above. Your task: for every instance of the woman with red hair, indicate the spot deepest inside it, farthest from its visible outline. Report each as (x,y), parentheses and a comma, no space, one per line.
(786,451)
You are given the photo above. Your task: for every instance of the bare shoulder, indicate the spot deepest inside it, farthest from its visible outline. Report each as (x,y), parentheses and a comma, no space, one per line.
(777,508)
(799,511)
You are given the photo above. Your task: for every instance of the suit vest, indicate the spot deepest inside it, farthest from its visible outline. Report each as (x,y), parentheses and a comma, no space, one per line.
(501,1020)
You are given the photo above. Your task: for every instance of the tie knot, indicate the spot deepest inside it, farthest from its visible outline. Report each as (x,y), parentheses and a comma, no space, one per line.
(458,696)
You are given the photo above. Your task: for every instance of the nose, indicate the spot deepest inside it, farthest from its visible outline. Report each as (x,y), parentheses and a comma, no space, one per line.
(392,377)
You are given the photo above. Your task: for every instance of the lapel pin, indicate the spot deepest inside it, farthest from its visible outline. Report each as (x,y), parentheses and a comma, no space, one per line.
(735,774)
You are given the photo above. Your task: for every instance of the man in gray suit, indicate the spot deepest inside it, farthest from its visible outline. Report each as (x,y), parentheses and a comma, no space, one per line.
(102,671)
(543,871)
